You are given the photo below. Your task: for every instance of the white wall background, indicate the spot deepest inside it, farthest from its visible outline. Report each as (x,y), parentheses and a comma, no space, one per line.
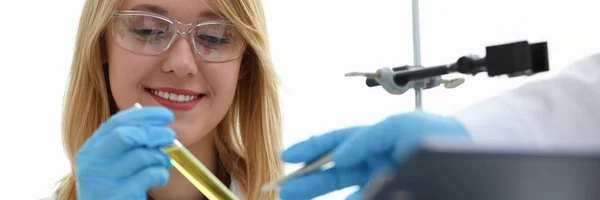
(314,43)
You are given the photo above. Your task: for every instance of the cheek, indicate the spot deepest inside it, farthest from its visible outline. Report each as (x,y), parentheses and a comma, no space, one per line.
(126,73)
(223,80)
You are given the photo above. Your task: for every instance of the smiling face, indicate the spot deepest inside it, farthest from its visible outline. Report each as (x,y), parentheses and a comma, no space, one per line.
(176,54)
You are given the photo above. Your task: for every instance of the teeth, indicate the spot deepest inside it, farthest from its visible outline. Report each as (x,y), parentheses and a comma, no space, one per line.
(174,97)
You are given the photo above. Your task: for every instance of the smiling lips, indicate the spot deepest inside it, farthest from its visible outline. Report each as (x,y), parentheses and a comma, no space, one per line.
(176,99)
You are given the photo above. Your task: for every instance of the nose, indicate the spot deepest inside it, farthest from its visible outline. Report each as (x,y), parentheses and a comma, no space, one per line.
(181,59)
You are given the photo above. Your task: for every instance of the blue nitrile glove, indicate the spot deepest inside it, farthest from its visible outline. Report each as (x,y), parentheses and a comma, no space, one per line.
(122,159)
(361,153)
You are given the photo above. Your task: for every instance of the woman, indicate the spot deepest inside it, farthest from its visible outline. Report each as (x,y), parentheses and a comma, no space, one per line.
(202,68)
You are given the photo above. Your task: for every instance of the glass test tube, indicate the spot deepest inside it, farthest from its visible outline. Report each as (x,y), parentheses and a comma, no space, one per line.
(186,163)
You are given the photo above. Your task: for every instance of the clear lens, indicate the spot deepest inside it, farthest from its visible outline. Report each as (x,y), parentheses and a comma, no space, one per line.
(151,35)
(217,42)
(142,34)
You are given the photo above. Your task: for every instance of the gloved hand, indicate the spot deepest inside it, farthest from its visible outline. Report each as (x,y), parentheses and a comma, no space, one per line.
(122,159)
(361,153)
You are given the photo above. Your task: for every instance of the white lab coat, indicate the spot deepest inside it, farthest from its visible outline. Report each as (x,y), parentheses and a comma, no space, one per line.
(561,110)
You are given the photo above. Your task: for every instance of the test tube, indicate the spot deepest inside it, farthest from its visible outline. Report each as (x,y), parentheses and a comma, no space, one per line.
(186,163)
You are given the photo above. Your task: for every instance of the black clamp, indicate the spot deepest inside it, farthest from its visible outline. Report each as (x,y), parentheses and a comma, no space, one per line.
(512,59)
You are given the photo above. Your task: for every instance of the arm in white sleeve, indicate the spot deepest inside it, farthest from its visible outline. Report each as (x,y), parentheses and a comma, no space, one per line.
(565,108)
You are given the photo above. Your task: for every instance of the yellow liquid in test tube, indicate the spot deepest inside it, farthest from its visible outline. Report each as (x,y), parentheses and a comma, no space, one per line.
(198,174)
(202,178)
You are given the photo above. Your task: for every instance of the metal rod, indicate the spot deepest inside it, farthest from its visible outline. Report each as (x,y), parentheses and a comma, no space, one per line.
(416,50)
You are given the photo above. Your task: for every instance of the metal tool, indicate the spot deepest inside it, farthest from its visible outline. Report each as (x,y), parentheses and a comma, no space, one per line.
(313,166)
(512,59)
(385,76)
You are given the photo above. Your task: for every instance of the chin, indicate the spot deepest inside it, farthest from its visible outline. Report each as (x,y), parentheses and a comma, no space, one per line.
(187,135)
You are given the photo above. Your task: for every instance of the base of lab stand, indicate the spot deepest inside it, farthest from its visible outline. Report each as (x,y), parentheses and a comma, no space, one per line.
(497,174)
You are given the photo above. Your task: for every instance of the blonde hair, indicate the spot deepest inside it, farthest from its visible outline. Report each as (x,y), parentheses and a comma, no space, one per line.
(249,137)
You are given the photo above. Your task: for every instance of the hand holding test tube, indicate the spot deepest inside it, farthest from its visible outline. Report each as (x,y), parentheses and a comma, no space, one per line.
(186,163)
(123,158)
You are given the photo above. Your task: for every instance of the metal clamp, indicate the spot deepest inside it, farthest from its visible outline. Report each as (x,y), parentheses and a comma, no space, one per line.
(385,77)
(386,80)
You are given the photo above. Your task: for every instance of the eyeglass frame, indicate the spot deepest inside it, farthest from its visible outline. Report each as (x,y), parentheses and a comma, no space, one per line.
(178,32)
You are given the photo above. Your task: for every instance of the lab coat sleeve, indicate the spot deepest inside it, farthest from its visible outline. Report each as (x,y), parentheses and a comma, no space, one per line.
(564,108)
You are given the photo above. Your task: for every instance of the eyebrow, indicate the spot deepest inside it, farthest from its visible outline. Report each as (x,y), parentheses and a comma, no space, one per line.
(207,14)
(151,8)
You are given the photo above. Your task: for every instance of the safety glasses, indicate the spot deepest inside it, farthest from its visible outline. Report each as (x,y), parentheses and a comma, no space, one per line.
(152,34)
